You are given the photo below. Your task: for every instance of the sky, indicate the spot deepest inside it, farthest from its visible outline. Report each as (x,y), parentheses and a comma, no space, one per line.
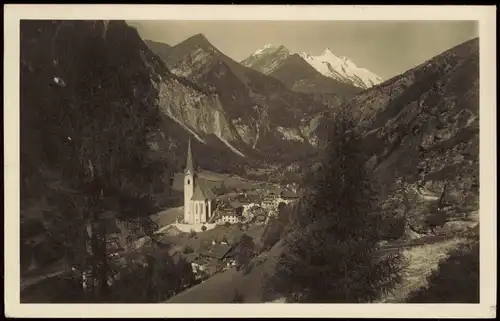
(386,48)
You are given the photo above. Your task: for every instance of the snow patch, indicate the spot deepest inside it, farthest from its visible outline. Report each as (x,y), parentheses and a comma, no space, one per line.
(341,68)
(59,81)
(259,51)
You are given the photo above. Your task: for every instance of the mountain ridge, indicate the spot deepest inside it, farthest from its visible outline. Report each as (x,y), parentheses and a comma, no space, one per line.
(295,72)
(341,69)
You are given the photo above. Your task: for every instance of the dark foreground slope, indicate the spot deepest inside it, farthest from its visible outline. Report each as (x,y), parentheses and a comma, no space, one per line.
(96,101)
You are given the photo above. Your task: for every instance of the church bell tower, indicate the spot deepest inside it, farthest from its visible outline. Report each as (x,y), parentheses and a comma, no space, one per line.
(189,177)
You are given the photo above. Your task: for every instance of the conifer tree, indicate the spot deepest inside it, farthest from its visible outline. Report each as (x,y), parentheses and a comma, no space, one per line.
(330,255)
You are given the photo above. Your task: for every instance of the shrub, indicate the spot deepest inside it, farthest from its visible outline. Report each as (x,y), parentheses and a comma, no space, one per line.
(31,227)
(245,250)
(188,250)
(46,253)
(272,234)
(248,268)
(435,219)
(227,224)
(394,228)
(192,233)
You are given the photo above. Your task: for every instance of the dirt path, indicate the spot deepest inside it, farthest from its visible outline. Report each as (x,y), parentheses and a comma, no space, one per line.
(422,261)
(26,282)
(425,240)
(426,195)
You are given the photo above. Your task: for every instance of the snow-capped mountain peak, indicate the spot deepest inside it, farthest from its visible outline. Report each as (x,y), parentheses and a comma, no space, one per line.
(268,48)
(341,68)
(327,52)
(267,59)
(270,57)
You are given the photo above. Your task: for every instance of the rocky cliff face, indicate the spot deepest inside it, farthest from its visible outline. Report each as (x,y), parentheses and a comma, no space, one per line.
(53,78)
(257,110)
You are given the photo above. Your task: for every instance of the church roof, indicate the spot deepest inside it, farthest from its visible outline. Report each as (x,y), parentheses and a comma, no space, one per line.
(189,160)
(201,191)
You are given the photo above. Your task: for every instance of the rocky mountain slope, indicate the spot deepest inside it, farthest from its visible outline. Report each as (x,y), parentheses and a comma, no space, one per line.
(267,116)
(421,132)
(292,70)
(159,48)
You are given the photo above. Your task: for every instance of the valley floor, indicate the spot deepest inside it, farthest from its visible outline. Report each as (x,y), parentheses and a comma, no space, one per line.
(423,256)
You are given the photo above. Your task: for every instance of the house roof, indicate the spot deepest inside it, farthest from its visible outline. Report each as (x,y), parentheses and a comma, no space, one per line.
(254,198)
(199,194)
(191,257)
(289,194)
(276,191)
(229,215)
(198,261)
(218,251)
(235,204)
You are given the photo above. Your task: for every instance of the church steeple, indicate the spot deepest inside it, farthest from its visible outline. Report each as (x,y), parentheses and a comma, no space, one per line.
(189,161)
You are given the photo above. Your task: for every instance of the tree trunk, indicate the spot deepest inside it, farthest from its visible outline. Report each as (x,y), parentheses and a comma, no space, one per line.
(441,197)
(103,261)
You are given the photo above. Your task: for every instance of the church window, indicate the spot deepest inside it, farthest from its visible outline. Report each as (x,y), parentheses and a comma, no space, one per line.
(189,181)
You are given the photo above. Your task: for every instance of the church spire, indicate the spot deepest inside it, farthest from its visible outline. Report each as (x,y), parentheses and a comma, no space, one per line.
(189,161)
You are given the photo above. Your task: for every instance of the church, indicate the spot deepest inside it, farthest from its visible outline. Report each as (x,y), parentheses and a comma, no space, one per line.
(198,198)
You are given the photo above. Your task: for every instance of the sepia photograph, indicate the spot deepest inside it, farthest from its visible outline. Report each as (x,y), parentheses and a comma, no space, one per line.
(250,161)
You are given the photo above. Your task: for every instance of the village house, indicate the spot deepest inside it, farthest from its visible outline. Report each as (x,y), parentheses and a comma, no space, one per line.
(292,187)
(272,198)
(228,218)
(288,196)
(198,266)
(229,212)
